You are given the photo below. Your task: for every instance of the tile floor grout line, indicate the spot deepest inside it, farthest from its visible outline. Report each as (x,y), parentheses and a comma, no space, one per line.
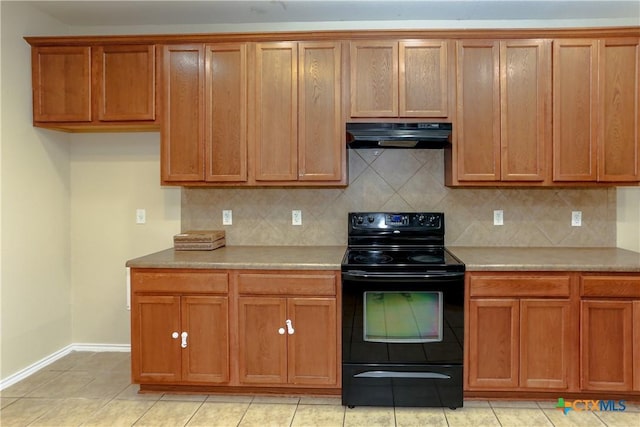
(195,412)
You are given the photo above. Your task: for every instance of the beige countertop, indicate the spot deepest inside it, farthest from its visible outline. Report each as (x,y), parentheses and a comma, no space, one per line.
(547,259)
(329,258)
(247,257)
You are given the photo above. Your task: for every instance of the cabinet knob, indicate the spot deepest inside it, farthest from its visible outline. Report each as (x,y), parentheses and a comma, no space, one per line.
(281,331)
(184,336)
(289,327)
(175,335)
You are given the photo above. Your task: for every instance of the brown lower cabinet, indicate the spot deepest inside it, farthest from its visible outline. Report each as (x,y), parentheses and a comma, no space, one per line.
(537,332)
(194,329)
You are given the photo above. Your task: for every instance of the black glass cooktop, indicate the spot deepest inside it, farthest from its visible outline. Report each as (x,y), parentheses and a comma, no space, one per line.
(394,258)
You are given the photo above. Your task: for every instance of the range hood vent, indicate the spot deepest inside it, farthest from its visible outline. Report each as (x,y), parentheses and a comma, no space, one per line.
(398,135)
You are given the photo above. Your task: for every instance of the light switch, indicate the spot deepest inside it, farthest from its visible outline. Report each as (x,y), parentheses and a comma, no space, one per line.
(296,217)
(576,219)
(141,216)
(227,217)
(498,217)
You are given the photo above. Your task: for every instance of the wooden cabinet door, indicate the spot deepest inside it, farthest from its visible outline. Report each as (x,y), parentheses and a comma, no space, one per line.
(226,113)
(575,78)
(423,78)
(125,83)
(374,78)
(636,346)
(547,349)
(155,353)
(321,144)
(312,347)
(262,350)
(525,114)
(478,111)
(182,136)
(607,346)
(276,112)
(206,356)
(61,83)
(618,148)
(493,343)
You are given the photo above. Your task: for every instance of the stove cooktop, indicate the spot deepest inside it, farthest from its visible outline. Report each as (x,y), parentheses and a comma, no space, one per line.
(401,259)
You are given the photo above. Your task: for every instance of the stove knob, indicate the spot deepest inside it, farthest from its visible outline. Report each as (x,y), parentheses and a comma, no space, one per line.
(360,220)
(371,219)
(421,219)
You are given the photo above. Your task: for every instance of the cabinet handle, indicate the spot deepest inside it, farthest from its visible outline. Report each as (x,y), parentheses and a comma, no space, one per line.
(281,331)
(289,327)
(175,335)
(184,340)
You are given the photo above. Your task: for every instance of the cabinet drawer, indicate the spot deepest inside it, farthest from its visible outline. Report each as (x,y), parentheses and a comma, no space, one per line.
(516,286)
(610,286)
(287,284)
(205,282)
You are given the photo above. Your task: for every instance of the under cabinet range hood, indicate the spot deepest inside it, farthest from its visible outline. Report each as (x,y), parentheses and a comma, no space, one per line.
(398,135)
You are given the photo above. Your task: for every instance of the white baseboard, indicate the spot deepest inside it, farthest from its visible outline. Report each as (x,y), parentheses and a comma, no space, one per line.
(35,367)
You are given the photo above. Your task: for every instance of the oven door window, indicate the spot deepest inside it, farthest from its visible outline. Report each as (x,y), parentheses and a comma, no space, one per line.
(403,317)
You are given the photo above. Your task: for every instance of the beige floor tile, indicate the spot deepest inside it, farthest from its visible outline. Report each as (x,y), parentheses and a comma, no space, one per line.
(6,401)
(168,414)
(522,417)
(369,416)
(229,398)
(268,414)
(308,400)
(318,416)
(220,414)
(185,397)
(420,417)
(70,361)
(573,418)
(67,384)
(475,417)
(276,399)
(105,387)
(476,404)
(632,406)
(131,393)
(620,419)
(26,410)
(105,361)
(119,413)
(70,412)
(29,384)
(526,404)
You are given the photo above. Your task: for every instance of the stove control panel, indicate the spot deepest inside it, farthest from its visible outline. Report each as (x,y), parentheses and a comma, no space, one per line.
(383,220)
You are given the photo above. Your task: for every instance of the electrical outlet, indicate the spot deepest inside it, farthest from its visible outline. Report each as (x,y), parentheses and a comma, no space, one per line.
(576,219)
(296,217)
(498,217)
(141,216)
(227,217)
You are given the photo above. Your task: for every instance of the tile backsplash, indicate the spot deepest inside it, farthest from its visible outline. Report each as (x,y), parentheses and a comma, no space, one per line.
(405,180)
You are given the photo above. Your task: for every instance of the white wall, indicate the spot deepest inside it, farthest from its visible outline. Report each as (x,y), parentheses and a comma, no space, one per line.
(113,174)
(35,278)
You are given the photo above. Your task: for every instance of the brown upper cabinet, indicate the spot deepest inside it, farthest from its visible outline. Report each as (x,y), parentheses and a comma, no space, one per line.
(94,87)
(503,121)
(407,78)
(253,114)
(596,86)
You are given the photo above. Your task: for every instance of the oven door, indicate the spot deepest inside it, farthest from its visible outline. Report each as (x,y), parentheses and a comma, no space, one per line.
(402,318)
(402,339)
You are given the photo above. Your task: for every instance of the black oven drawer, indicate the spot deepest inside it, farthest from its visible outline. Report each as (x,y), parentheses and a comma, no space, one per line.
(402,385)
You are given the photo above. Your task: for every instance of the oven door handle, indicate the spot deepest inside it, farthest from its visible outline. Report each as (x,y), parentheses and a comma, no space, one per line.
(363,275)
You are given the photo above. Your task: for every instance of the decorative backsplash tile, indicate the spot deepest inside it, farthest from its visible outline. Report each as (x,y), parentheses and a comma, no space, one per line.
(405,180)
